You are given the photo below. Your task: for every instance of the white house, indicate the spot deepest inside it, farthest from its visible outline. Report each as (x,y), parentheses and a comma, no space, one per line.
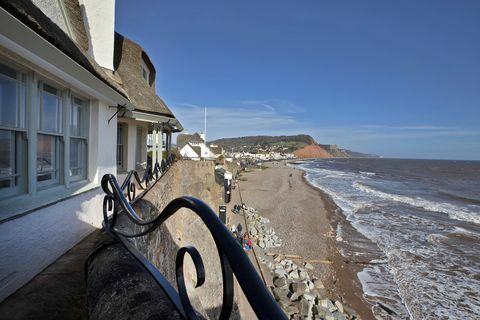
(191,152)
(77,101)
(197,141)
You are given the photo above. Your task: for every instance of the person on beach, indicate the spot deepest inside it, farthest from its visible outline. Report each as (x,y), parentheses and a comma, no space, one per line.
(247,243)
(234,231)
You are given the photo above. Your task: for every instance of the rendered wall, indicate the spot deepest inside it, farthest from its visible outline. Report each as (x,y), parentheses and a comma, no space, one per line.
(99,19)
(30,243)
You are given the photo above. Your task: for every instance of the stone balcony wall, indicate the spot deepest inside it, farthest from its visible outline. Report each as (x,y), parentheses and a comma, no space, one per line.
(185,178)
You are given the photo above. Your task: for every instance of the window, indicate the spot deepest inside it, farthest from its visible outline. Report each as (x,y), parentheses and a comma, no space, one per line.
(49,144)
(78,139)
(145,73)
(59,123)
(12,129)
(121,133)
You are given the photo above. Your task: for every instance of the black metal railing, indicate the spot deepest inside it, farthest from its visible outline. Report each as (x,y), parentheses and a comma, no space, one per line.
(150,175)
(233,259)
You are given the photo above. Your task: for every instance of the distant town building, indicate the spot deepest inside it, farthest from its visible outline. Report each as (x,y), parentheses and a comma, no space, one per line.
(193,146)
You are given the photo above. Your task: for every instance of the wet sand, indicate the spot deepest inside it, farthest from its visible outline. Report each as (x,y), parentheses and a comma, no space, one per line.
(305,219)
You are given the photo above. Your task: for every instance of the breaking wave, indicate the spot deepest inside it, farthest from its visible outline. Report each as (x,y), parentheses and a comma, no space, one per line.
(451,210)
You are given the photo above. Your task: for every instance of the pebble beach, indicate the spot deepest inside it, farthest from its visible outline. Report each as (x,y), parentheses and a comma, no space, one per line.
(302,264)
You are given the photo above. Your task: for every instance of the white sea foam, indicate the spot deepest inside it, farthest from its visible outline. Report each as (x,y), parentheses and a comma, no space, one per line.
(453,211)
(366,173)
(421,272)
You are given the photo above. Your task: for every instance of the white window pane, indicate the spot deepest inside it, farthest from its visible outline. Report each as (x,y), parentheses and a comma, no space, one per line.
(50,115)
(78,158)
(23,103)
(8,101)
(6,165)
(78,118)
(46,157)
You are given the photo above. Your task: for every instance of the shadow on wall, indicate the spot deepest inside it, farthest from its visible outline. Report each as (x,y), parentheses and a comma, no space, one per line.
(161,247)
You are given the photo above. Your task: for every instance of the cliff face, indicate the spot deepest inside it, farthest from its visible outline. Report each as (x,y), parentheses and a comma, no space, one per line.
(312,151)
(336,152)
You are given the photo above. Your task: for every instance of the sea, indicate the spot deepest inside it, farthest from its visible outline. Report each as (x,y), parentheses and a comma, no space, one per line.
(419,232)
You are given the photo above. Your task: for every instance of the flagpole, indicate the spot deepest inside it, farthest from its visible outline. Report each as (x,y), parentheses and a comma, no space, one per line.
(205,131)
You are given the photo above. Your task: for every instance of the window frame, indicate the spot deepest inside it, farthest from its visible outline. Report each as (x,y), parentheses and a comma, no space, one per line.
(84,137)
(58,136)
(145,69)
(17,132)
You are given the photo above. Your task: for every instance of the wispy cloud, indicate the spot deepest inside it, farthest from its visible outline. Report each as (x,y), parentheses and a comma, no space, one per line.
(378,132)
(189,105)
(275,105)
(246,118)
(269,107)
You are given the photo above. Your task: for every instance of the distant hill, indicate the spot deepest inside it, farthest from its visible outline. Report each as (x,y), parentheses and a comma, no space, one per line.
(302,145)
(250,143)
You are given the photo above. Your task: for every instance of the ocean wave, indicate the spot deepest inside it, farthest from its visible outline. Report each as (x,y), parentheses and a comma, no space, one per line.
(451,210)
(366,173)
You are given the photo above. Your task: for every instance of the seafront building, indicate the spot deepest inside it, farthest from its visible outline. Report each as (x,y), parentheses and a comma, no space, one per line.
(194,147)
(77,101)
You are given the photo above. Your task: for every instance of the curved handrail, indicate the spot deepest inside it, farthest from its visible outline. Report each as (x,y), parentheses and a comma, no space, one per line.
(232,257)
(149,175)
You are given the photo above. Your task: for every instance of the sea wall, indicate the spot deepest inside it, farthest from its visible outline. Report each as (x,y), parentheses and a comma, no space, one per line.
(185,178)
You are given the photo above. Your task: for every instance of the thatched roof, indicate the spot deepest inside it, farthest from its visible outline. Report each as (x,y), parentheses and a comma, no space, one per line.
(216,150)
(183,139)
(128,62)
(35,19)
(197,150)
(128,55)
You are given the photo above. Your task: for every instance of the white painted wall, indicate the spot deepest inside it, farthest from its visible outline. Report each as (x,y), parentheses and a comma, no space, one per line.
(188,152)
(99,19)
(102,148)
(131,145)
(30,243)
(54,10)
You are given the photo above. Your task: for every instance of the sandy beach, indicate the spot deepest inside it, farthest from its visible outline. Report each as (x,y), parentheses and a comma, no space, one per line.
(305,219)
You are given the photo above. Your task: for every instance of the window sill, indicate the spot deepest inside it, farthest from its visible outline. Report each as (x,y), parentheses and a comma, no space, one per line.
(24,204)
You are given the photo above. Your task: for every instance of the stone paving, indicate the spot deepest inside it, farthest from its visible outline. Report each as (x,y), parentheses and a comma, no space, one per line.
(58,292)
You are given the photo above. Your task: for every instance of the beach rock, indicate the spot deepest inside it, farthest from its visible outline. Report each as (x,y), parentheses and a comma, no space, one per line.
(339,306)
(308,266)
(293,296)
(303,275)
(253,231)
(293,275)
(320,311)
(338,316)
(310,296)
(281,295)
(261,244)
(291,310)
(310,285)
(327,303)
(279,272)
(306,309)
(298,287)
(319,284)
(280,282)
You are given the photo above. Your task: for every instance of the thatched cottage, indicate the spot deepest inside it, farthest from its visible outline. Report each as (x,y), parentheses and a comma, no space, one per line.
(77,101)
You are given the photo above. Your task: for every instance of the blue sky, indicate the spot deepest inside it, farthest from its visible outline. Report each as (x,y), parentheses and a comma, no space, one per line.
(399,79)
